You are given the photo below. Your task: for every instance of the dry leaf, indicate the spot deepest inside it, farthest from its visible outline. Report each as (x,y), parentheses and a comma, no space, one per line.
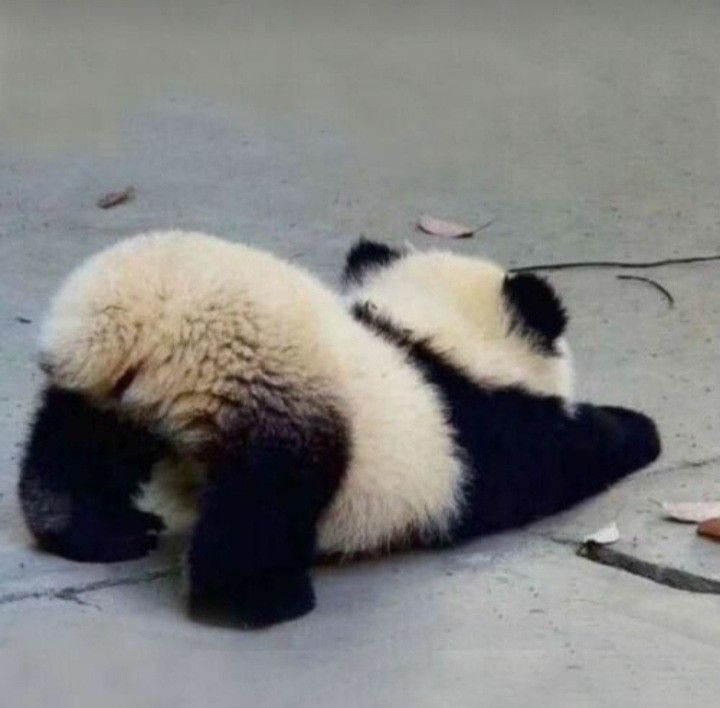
(112,199)
(446,229)
(604,536)
(710,528)
(691,512)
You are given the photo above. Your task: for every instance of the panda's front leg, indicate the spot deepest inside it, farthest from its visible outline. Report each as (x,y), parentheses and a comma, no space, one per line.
(254,541)
(81,469)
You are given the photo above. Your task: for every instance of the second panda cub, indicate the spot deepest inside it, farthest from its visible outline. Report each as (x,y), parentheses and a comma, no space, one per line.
(196,383)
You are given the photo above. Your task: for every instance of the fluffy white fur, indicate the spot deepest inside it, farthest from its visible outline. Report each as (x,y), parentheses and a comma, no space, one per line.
(203,328)
(173,492)
(456,301)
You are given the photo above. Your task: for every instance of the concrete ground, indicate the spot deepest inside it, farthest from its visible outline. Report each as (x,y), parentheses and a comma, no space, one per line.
(583,130)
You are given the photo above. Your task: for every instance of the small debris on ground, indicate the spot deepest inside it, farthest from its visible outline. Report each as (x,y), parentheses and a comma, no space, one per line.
(710,528)
(113,199)
(604,536)
(23,320)
(691,512)
(447,229)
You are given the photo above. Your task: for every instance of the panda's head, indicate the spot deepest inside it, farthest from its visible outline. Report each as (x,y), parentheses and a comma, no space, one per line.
(502,329)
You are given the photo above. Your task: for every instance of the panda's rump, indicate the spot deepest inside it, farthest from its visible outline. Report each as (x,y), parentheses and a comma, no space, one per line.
(196,337)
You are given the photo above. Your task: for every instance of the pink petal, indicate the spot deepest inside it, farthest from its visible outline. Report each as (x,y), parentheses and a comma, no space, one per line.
(446,229)
(691,512)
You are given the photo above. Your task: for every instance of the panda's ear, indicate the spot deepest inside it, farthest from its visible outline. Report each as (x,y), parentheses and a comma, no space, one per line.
(366,256)
(534,308)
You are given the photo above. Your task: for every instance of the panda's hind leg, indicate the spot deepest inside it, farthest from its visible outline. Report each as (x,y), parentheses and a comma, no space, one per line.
(254,541)
(81,470)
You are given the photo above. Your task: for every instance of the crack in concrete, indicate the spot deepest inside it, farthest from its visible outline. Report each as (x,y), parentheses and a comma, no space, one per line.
(656,572)
(73,593)
(597,553)
(685,465)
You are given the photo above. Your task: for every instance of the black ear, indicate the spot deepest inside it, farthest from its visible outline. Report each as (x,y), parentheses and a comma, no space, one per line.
(366,256)
(535,308)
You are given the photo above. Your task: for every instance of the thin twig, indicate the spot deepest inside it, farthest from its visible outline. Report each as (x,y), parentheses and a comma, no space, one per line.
(614,264)
(113,199)
(484,226)
(655,284)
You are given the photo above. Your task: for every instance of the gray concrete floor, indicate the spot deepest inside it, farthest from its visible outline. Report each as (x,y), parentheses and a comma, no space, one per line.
(585,130)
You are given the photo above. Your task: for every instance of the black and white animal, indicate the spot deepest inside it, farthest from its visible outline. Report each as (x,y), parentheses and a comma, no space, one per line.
(195,383)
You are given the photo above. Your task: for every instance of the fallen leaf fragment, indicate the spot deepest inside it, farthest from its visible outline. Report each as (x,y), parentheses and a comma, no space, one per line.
(710,528)
(112,199)
(691,512)
(604,536)
(446,229)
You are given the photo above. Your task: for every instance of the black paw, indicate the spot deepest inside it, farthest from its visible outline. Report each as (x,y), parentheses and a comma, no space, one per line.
(95,536)
(255,601)
(638,435)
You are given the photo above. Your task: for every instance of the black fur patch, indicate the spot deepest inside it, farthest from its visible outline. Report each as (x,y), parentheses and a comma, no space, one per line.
(80,470)
(535,309)
(255,540)
(366,256)
(527,456)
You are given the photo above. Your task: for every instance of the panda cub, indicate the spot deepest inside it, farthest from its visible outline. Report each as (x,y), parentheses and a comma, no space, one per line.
(198,384)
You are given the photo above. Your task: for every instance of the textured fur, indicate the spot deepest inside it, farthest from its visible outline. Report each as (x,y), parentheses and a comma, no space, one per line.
(172,492)
(528,454)
(81,469)
(198,337)
(535,309)
(366,256)
(492,345)
(195,383)
(460,304)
